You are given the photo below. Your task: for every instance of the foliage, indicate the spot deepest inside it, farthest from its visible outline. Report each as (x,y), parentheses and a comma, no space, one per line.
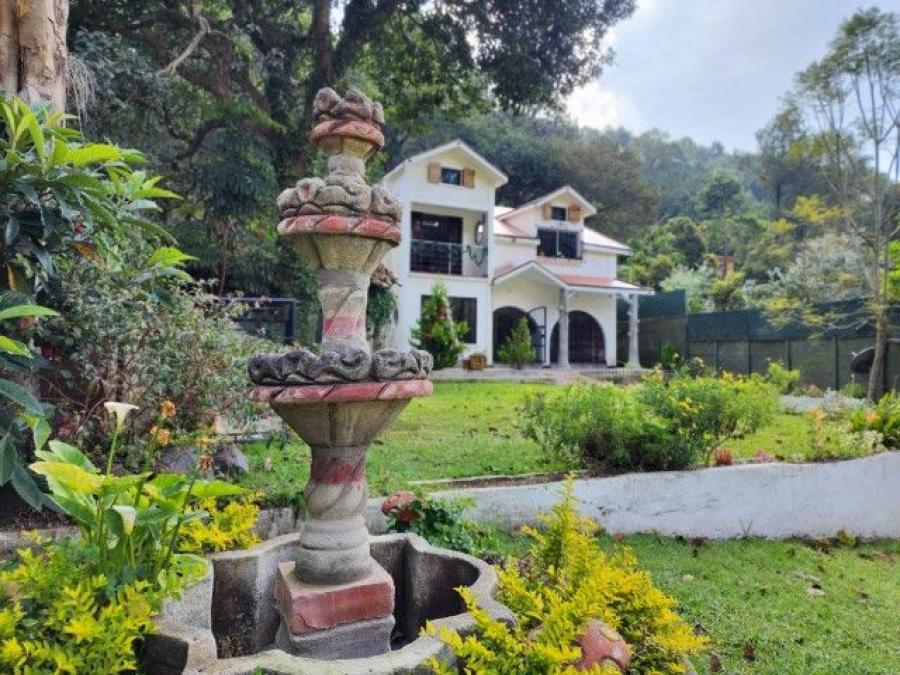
(564,580)
(883,418)
(835,437)
(517,349)
(439,521)
(62,195)
(229,527)
(436,332)
(785,380)
(59,615)
(697,285)
(128,334)
(669,358)
(21,409)
(663,423)
(381,307)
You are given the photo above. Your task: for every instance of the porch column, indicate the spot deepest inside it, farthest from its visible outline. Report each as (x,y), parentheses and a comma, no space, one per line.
(563,328)
(634,357)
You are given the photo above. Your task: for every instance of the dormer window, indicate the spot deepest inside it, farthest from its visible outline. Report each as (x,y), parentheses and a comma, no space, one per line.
(559,244)
(451,176)
(558,213)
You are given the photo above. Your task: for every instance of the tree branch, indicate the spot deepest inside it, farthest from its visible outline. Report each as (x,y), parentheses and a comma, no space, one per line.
(196,15)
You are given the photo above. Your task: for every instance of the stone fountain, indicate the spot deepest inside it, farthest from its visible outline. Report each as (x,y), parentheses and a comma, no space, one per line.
(330,599)
(340,399)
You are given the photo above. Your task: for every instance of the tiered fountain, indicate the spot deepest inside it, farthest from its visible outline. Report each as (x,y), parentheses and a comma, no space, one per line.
(339,400)
(330,599)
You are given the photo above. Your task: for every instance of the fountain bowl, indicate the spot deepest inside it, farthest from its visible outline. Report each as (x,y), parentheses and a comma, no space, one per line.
(228,623)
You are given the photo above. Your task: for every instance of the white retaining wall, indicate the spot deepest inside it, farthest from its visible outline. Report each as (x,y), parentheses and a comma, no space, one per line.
(861,497)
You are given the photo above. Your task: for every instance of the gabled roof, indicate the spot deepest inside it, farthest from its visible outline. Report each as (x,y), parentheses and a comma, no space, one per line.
(500,178)
(594,238)
(587,207)
(572,282)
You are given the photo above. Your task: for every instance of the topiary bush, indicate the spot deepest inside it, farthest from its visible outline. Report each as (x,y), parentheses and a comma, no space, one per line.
(517,349)
(436,332)
(563,581)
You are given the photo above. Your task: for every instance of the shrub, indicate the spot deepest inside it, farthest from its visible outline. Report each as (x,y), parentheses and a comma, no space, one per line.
(784,380)
(854,390)
(663,423)
(59,616)
(439,521)
(229,527)
(517,349)
(669,358)
(833,436)
(883,417)
(565,580)
(436,332)
(121,338)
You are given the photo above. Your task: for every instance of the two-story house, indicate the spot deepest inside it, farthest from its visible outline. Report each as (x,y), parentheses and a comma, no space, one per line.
(500,264)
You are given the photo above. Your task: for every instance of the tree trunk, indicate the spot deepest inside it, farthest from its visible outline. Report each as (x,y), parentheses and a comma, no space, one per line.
(876,374)
(33,54)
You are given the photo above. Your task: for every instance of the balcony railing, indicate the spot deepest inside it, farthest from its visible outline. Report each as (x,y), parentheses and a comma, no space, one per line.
(442,257)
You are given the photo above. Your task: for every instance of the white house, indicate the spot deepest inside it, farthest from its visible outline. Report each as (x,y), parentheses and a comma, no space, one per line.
(499,264)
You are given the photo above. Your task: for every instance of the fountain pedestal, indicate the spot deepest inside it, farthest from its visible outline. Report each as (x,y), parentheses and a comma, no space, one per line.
(335,601)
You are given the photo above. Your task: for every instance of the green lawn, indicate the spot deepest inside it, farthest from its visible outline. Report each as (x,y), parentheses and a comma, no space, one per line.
(786,438)
(464,429)
(779,607)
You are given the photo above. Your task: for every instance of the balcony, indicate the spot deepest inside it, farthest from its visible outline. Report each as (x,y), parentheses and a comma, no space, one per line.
(443,257)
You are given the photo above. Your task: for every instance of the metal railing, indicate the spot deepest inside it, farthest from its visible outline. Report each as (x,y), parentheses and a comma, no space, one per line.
(443,257)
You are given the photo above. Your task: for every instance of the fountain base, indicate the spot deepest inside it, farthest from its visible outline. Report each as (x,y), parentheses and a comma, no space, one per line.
(357,615)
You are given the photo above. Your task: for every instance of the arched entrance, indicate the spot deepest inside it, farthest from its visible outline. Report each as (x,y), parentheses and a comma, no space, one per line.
(586,344)
(505,319)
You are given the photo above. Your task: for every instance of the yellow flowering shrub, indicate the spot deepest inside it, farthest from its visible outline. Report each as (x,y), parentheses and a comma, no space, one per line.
(565,579)
(227,528)
(57,618)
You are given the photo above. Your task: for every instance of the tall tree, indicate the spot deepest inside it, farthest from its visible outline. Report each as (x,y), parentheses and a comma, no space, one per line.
(33,53)
(851,100)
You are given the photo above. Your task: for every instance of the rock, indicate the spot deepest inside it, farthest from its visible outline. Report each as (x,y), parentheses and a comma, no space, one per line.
(601,645)
(229,461)
(180,459)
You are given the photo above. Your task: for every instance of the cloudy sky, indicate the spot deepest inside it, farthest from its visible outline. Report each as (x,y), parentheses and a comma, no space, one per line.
(714,70)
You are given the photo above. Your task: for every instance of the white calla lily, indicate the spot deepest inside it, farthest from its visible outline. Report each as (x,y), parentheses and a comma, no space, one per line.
(120,411)
(127,514)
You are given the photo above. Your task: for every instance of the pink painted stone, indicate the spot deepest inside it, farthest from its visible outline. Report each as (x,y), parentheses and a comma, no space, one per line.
(601,645)
(400,502)
(337,393)
(305,607)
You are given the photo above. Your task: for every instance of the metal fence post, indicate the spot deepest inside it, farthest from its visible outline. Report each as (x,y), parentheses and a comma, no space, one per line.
(837,362)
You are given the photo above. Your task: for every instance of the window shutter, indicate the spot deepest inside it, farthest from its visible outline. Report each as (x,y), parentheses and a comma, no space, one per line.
(548,212)
(468,178)
(434,172)
(574,214)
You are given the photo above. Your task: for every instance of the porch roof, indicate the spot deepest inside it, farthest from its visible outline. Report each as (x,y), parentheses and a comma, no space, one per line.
(567,281)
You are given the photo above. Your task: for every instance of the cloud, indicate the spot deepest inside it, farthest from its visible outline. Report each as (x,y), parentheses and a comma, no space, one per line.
(595,106)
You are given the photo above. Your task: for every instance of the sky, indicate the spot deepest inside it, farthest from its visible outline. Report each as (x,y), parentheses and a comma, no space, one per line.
(714,70)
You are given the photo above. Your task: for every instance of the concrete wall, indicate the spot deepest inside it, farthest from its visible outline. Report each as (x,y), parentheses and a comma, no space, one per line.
(765,500)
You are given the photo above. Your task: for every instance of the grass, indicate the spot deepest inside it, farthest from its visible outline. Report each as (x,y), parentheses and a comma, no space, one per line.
(786,438)
(778,607)
(465,429)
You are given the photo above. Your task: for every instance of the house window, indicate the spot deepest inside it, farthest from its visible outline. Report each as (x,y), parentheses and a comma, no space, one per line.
(558,213)
(451,176)
(436,245)
(463,309)
(556,244)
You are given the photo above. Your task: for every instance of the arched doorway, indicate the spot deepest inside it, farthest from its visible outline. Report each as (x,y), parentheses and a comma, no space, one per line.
(505,319)
(586,343)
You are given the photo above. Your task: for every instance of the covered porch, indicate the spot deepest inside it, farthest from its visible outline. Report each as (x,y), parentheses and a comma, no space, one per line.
(571,317)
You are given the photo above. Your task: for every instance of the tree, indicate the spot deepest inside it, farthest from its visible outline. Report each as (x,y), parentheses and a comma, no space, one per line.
(517,349)
(33,53)
(851,101)
(436,332)
(696,284)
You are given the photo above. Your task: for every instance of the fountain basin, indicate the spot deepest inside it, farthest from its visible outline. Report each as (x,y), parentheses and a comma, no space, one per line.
(228,622)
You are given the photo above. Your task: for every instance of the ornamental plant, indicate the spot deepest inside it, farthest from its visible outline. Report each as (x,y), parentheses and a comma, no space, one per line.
(517,349)
(438,521)
(436,332)
(883,417)
(563,581)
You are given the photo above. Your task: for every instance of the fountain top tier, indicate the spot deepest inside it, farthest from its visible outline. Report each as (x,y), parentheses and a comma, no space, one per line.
(342,227)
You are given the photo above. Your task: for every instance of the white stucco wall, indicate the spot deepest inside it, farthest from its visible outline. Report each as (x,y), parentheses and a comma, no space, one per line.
(764,500)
